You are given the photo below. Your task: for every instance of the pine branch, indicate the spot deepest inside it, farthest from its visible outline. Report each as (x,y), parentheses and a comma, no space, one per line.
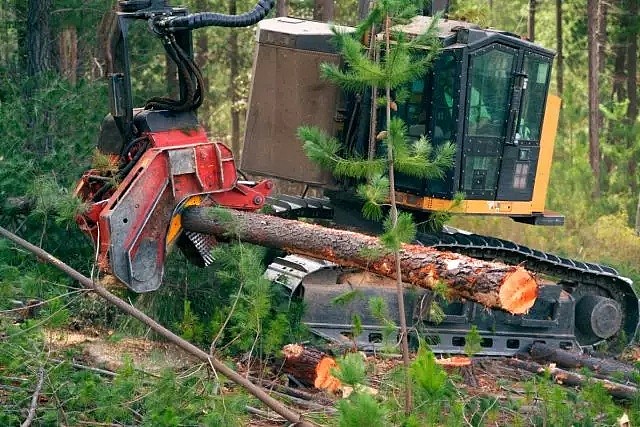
(213,362)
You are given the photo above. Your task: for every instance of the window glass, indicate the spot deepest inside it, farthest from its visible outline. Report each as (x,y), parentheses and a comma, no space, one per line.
(520,176)
(445,97)
(489,93)
(537,70)
(480,173)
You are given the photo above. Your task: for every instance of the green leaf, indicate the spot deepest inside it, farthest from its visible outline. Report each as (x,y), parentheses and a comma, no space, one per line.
(347,297)
(404,231)
(351,369)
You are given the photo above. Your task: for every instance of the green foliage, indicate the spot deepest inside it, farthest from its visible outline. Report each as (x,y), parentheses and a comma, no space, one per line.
(351,369)
(190,327)
(73,396)
(472,341)
(361,409)
(380,311)
(403,231)
(429,377)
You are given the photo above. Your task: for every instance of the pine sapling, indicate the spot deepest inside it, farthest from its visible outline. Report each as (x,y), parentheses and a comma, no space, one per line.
(403,61)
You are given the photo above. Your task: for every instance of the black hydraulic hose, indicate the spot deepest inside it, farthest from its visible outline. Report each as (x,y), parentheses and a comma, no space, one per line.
(211,19)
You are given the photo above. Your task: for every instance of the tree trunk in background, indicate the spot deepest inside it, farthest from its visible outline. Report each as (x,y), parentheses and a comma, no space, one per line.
(38,37)
(531,22)
(594,112)
(282,8)
(323,10)
(619,70)
(234,96)
(559,41)
(638,218)
(38,53)
(68,54)
(171,77)
(102,51)
(202,57)
(601,34)
(363,9)
(632,93)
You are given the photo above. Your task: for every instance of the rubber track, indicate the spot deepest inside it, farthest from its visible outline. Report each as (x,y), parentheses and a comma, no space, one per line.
(570,273)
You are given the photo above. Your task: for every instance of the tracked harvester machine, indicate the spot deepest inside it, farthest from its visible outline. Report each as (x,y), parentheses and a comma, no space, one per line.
(487,93)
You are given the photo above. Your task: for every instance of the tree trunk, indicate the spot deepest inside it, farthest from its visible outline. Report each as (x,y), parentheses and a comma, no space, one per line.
(323,10)
(561,376)
(68,52)
(601,34)
(568,359)
(363,9)
(282,8)
(201,58)
(492,284)
(171,77)
(38,37)
(632,92)
(38,52)
(594,98)
(638,217)
(559,46)
(233,82)
(531,22)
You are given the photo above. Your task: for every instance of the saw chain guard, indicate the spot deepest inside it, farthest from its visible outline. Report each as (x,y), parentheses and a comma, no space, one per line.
(130,225)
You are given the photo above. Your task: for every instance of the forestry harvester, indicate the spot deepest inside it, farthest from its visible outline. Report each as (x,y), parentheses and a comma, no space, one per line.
(487,93)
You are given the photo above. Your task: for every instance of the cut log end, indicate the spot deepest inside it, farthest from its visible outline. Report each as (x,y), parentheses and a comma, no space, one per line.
(454,361)
(324,380)
(518,292)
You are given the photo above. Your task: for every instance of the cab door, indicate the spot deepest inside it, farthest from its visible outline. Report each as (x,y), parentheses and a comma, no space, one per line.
(522,146)
(487,111)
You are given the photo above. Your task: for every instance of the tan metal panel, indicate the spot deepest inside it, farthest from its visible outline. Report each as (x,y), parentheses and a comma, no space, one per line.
(287,92)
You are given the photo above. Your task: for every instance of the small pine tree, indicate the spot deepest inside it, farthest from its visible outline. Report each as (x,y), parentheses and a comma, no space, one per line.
(404,60)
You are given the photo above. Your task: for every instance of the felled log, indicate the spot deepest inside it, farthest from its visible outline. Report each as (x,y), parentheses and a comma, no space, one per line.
(561,376)
(310,366)
(568,359)
(492,284)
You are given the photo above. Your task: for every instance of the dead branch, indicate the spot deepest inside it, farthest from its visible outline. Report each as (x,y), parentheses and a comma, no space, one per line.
(568,359)
(492,284)
(561,376)
(213,362)
(34,399)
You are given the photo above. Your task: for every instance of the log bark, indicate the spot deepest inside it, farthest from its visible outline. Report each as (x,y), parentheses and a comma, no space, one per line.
(561,376)
(568,359)
(492,284)
(310,366)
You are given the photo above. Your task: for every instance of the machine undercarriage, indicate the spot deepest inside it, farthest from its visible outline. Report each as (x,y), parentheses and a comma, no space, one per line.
(580,305)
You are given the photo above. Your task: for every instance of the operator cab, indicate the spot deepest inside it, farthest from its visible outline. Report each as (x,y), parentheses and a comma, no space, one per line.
(486,93)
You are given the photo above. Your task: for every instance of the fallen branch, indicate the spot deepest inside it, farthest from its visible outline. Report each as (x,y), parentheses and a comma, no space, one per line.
(568,359)
(492,284)
(564,377)
(213,362)
(34,399)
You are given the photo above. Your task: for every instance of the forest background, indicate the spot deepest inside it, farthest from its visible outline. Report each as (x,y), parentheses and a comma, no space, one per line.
(53,97)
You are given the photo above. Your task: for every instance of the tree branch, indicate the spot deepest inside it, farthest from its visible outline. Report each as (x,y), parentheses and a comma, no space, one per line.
(34,399)
(213,362)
